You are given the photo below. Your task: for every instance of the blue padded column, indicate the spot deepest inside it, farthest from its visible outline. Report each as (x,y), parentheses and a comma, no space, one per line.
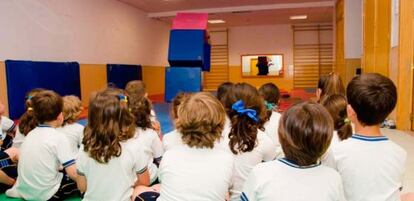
(181,79)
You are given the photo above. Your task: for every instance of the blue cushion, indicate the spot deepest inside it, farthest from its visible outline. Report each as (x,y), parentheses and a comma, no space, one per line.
(181,79)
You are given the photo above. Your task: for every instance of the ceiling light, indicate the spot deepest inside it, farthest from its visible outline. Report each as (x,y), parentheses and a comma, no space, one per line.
(299,17)
(216,21)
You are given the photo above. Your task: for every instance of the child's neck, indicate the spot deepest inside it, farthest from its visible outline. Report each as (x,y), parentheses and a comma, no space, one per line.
(53,124)
(367,130)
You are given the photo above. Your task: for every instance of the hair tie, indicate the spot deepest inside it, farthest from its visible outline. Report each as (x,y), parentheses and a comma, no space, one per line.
(29,97)
(269,106)
(29,109)
(241,110)
(123,98)
(347,121)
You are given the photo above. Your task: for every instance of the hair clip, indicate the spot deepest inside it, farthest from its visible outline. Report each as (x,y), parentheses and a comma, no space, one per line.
(241,110)
(347,121)
(29,97)
(123,98)
(29,109)
(269,106)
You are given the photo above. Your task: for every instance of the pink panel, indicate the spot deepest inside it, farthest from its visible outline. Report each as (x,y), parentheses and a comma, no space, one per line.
(190,21)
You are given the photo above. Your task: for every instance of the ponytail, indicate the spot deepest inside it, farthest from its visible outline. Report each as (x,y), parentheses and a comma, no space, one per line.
(336,105)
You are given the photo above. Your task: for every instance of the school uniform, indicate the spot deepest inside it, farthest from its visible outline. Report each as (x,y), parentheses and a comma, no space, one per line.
(284,180)
(272,127)
(328,158)
(114,180)
(188,174)
(6,125)
(372,168)
(43,153)
(74,134)
(153,149)
(244,162)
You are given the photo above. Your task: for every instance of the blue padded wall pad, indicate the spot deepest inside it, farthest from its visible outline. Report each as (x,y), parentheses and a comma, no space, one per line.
(120,74)
(181,79)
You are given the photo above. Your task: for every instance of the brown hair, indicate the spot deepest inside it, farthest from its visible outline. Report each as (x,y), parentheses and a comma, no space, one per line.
(336,105)
(223,89)
(47,106)
(332,84)
(28,121)
(200,120)
(305,133)
(373,97)
(135,88)
(270,93)
(141,109)
(176,103)
(109,123)
(72,107)
(243,133)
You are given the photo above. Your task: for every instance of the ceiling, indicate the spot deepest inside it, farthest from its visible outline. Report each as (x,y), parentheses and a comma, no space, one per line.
(257,14)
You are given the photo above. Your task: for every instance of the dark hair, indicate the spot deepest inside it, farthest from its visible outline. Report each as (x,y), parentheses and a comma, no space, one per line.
(373,97)
(243,133)
(141,108)
(223,89)
(270,93)
(28,121)
(109,123)
(47,106)
(332,84)
(305,133)
(135,88)
(336,105)
(201,120)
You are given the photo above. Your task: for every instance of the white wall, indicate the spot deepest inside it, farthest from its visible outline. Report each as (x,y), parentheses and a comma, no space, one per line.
(267,39)
(353,29)
(87,31)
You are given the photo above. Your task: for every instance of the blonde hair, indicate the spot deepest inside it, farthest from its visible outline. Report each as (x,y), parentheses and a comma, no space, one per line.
(135,88)
(200,120)
(72,108)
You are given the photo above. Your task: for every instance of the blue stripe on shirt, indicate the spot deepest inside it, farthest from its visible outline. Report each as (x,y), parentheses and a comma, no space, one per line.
(68,163)
(369,138)
(244,197)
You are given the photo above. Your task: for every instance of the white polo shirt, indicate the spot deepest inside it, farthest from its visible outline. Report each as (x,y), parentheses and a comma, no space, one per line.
(114,180)
(152,147)
(188,174)
(284,180)
(265,150)
(372,168)
(74,134)
(44,151)
(272,127)
(18,138)
(6,125)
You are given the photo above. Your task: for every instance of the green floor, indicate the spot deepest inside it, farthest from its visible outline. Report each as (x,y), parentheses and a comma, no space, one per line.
(3,197)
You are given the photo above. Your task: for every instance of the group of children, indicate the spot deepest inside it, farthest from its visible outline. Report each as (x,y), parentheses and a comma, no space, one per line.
(233,146)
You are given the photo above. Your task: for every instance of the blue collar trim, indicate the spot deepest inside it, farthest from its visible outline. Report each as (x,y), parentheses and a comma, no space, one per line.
(44,126)
(369,138)
(293,164)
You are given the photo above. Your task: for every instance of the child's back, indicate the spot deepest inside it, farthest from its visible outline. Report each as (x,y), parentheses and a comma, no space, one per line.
(113,180)
(272,126)
(41,155)
(152,146)
(195,174)
(283,180)
(371,167)
(74,133)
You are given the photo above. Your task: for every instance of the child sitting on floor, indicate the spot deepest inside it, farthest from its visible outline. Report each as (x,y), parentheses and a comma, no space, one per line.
(141,108)
(305,133)
(72,107)
(371,165)
(111,164)
(44,152)
(270,93)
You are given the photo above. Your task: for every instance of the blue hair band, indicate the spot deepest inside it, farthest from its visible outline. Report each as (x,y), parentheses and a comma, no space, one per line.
(241,110)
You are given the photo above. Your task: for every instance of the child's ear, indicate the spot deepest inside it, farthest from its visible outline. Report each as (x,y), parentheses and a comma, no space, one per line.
(60,119)
(351,114)
(318,94)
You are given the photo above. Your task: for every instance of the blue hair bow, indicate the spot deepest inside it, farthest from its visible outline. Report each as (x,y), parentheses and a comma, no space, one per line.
(29,97)
(239,108)
(269,106)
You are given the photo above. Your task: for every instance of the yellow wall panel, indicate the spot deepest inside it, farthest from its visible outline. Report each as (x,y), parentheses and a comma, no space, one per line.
(93,78)
(340,67)
(154,79)
(351,65)
(3,87)
(285,82)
